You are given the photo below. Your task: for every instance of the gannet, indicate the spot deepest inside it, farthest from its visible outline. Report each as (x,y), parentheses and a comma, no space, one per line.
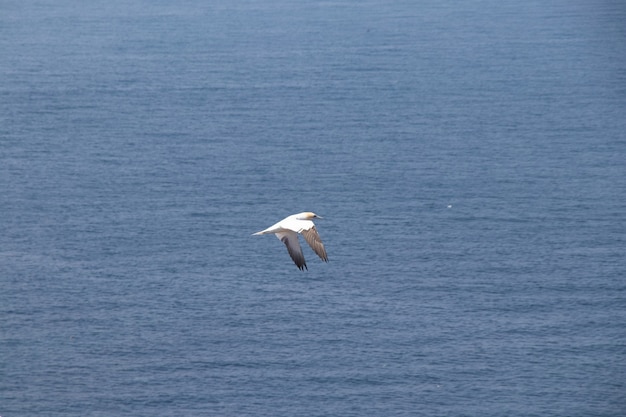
(287,231)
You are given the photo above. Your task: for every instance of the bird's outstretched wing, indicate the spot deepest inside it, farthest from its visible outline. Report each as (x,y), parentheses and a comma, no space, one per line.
(315,242)
(290,239)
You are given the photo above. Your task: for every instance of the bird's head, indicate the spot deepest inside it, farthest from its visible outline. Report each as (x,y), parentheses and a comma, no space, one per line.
(308,215)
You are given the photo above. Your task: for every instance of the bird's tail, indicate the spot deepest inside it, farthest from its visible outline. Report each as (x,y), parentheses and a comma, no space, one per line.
(262,232)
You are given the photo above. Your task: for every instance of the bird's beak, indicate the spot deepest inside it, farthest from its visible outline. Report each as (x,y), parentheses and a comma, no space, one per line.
(318,217)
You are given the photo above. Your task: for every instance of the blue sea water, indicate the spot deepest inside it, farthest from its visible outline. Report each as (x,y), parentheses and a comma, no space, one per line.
(468,159)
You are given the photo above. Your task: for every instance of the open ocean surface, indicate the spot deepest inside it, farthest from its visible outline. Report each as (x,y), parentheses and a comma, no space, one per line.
(469,159)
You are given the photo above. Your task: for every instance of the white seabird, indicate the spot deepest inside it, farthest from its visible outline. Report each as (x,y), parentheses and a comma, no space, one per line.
(287,231)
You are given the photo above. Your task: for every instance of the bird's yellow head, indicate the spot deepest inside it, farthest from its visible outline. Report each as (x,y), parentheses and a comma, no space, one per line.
(308,215)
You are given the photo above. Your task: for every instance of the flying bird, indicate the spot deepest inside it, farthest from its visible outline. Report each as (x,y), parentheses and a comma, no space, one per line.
(287,231)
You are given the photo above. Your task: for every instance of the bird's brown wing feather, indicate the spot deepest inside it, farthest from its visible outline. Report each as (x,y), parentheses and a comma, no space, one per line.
(315,242)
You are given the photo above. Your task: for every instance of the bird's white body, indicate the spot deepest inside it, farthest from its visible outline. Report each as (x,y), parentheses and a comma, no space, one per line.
(287,231)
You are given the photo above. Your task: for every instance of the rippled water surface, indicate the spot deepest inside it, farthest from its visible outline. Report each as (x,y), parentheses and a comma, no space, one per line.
(468,159)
